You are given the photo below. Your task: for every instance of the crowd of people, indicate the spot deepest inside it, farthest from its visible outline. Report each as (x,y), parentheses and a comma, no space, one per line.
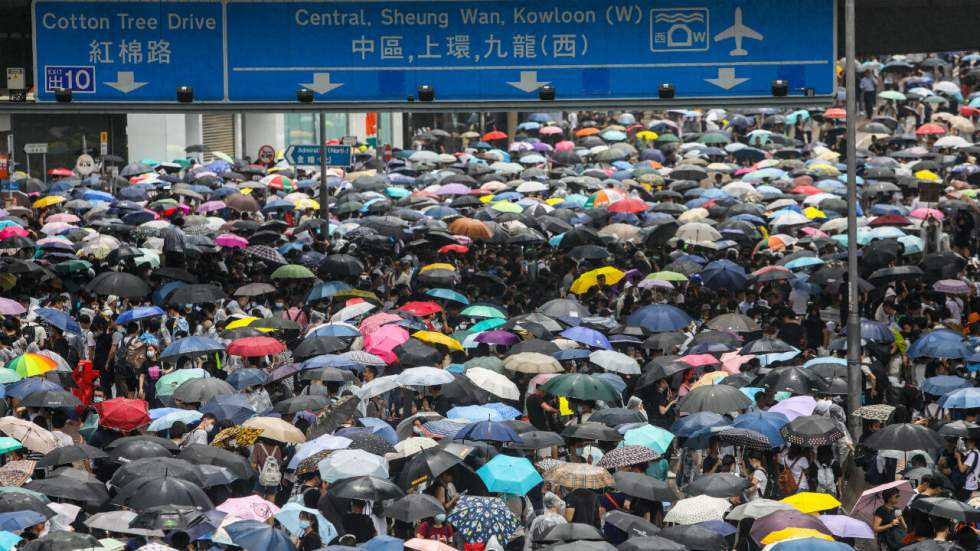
(626,333)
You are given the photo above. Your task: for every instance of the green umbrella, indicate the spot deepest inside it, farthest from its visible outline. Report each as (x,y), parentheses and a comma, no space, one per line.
(935,99)
(487,325)
(583,387)
(668,138)
(223,156)
(168,202)
(8,444)
(149,257)
(150,162)
(18,490)
(655,438)
(167,384)
(72,266)
(714,138)
(292,271)
(8,376)
(483,311)
(892,95)
(492,363)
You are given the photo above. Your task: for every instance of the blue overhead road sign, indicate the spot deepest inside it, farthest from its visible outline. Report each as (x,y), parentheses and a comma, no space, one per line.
(309,155)
(128,51)
(472,50)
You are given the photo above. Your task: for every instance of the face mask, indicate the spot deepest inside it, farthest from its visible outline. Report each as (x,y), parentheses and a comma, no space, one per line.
(97,399)
(280,306)
(304,524)
(440,518)
(151,355)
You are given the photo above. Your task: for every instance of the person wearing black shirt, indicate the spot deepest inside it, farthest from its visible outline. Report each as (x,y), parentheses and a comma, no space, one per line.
(358,524)
(581,505)
(539,409)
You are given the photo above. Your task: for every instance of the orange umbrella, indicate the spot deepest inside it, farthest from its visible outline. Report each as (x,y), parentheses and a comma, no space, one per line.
(494,135)
(930,129)
(835,113)
(591,131)
(470,227)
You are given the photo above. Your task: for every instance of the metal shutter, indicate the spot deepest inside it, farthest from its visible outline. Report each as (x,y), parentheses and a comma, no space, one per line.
(219,132)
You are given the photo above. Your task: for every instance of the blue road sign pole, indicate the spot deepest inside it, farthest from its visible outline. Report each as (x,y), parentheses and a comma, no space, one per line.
(322,136)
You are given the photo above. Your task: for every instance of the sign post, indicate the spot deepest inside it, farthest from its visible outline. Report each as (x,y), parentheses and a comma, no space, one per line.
(322,141)
(37,149)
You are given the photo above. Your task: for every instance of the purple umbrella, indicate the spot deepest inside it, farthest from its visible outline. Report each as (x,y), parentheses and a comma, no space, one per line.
(505,338)
(951,286)
(844,526)
(11,307)
(586,336)
(542,147)
(797,406)
(453,189)
(778,520)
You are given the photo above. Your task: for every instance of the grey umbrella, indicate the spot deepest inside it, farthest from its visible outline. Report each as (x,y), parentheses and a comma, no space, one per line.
(643,486)
(199,391)
(717,485)
(717,398)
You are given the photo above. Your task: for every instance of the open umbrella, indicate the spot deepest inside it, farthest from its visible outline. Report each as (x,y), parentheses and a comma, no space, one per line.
(477,519)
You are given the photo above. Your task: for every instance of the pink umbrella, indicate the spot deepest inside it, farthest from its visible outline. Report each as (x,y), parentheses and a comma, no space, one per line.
(538,380)
(814,232)
(66,217)
(658,283)
(383,341)
(565,146)
(13,231)
(453,189)
(797,406)
(697,360)
(371,324)
(923,213)
(54,240)
(549,130)
(870,500)
(210,206)
(249,508)
(731,362)
(11,307)
(231,241)
(56,228)
(844,526)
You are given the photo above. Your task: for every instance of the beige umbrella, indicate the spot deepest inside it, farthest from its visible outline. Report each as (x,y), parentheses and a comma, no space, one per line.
(697,231)
(410,447)
(275,429)
(626,232)
(580,475)
(30,435)
(532,362)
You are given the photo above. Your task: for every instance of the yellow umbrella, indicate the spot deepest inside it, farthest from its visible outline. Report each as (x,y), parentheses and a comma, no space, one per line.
(304,204)
(813,212)
(590,279)
(788,533)
(241,322)
(927,175)
(667,275)
(48,201)
(486,198)
(438,338)
(647,135)
(438,266)
(710,378)
(812,502)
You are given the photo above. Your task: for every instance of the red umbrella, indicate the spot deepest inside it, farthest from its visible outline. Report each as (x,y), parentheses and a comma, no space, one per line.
(969,111)
(807,190)
(890,220)
(630,204)
(421,308)
(835,113)
(62,172)
(249,347)
(123,414)
(461,249)
(494,135)
(930,129)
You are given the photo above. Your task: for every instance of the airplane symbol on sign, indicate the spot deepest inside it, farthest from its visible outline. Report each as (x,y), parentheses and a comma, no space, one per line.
(738,31)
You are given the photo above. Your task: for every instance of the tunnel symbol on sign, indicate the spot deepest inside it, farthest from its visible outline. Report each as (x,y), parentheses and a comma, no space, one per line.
(679,29)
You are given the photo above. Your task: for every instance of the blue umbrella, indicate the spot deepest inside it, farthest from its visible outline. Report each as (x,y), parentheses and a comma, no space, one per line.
(448,294)
(288,516)
(59,319)
(875,331)
(234,407)
(186,416)
(943,384)
(488,431)
(16,521)
(724,274)
(334,330)
(383,543)
(505,411)
(245,377)
(811,544)
(191,346)
(571,354)
(764,422)
(659,318)
(331,360)
(26,387)
(253,535)
(157,413)
(941,343)
(474,413)
(688,425)
(701,439)
(93,195)
(964,398)
(164,291)
(380,428)
(586,336)
(326,289)
(138,313)
(509,475)
(477,519)
(613,379)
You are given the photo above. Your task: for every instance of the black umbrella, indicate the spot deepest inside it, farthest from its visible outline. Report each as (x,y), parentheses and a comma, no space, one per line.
(895,273)
(121,284)
(666,342)
(154,492)
(643,486)
(414,507)
(766,345)
(51,399)
(62,541)
(811,431)
(650,543)
(150,467)
(633,525)
(341,266)
(367,488)
(613,417)
(538,440)
(302,403)
(69,487)
(944,507)
(580,235)
(573,531)
(905,437)
(333,417)
(463,391)
(413,353)
(592,431)
(172,272)
(717,398)
(69,454)
(371,443)
(589,252)
(167,517)
(126,440)
(316,346)
(660,368)
(717,485)
(534,345)
(201,454)
(18,501)
(138,449)
(696,538)
(792,379)
(198,293)
(427,465)
(736,323)
(946,265)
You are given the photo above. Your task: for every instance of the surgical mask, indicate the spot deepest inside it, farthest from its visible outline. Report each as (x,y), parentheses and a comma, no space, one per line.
(97,399)
(304,524)
(280,306)
(440,518)
(151,355)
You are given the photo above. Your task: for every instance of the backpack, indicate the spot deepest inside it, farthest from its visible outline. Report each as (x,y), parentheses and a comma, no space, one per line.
(826,481)
(270,473)
(788,484)
(133,354)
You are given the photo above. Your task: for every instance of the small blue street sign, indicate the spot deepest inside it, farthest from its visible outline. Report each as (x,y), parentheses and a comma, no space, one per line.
(309,155)
(467,50)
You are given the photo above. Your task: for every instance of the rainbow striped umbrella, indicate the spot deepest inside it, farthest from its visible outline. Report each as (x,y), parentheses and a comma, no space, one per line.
(30,365)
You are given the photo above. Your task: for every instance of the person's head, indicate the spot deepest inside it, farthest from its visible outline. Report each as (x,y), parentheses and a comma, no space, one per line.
(207,421)
(357,506)
(754,458)
(940,526)
(553,503)
(439,519)
(180,539)
(307,521)
(890,497)
(930,484)
(918,460)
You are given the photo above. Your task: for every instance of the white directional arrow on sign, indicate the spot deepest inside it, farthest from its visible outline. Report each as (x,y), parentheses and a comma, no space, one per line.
(726,79)
(529,82)
(321,83)
(125,82)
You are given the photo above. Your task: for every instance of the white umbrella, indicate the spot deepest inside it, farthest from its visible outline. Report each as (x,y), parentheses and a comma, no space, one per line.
(494,383)
(424,156)
(949,142)
(532,187)
(424,376)
(698,509)
(378,386)
(697,231)
(350,463)
(791,218)
(352,311)
(411,446)
(617,362)
(758,508)
(694,215)
(946,87)
(325,442)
